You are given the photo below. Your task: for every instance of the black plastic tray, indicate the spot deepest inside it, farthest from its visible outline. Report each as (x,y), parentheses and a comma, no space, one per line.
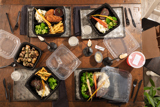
(80,74)
(33,91)
(19,50)
(98,11)
(34,21)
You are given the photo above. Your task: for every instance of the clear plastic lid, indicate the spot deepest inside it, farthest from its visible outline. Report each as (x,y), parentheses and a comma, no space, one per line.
(120,85)
(9,44)
(117,46)
(62,62)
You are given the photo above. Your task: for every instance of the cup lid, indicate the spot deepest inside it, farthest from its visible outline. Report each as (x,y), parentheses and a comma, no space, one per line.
(9,44)
(136,59)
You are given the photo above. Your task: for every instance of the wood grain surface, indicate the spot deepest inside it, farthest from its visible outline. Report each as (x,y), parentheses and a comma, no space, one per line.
(87,62)
(68,2)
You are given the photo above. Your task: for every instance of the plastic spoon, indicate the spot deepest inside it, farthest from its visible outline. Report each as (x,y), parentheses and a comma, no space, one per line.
(13,64)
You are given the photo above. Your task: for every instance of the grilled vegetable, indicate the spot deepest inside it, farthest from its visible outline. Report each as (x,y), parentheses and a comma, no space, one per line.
(100,21)
(88,85)
(95,82)
(106,17)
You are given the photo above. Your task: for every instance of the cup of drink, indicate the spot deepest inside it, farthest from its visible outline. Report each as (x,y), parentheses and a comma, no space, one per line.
(136,59)
(18,76)
(73,41)
(87,30)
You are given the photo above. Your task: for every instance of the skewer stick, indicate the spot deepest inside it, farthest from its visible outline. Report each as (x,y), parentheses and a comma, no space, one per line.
(96,90)
(49,24)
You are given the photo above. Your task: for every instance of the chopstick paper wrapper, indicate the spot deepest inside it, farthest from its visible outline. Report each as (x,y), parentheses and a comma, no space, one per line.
(99,47)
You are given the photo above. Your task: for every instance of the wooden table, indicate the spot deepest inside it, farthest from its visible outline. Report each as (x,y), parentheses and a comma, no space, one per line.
(87,62)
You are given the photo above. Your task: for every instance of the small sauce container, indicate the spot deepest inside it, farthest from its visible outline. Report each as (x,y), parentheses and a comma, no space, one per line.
(98,57)
(136,59)
(58,12)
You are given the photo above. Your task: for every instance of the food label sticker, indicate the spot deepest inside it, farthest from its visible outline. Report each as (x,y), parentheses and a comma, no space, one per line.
(136,59)
(130,57)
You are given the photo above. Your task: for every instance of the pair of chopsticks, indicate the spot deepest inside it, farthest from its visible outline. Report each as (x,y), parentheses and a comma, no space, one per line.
(96,90)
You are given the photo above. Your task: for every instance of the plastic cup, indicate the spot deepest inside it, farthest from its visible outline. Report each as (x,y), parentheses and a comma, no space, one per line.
(18,76)
(73,41)
(136,59)
(87,30)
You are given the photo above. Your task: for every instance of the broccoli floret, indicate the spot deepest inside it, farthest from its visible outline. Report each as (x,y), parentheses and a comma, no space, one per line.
(84,88)
(37,27)
(44,31)
(84,94)
(108,20)
(110,27)
(53,87)
(43,26)
(83,79)
(52,80)
(51,84)
(114,18)
(46,27)
(111,23)
(114,24)
(38,31)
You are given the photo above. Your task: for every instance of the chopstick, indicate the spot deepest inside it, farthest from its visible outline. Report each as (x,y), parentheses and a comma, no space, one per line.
(96,90)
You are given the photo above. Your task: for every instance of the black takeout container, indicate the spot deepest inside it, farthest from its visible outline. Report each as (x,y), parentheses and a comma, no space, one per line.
(35,22)
(19,50)
(98,11)
(92,70)
(33,91)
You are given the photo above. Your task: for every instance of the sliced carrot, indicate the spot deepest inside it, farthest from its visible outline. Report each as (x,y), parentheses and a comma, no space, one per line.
(100,21)
(95,82)
(104,16)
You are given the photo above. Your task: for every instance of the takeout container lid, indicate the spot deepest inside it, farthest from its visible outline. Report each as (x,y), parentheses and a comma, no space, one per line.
(117,46)
(9,44)
(62,62)
(120,84)
(136,59)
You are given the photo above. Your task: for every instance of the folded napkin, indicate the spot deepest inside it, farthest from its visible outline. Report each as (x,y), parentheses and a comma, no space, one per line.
(23,24)
(77,25)
(62,100)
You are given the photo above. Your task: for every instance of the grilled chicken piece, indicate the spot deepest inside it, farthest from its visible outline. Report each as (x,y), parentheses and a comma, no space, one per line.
(51,17)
